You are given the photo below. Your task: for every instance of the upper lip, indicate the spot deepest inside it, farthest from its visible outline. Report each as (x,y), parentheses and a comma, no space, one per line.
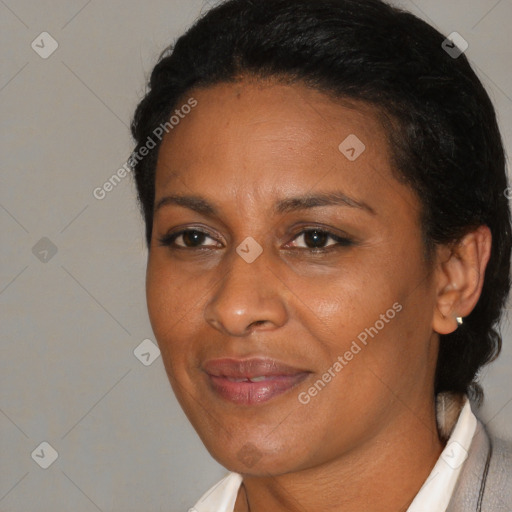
(249,368)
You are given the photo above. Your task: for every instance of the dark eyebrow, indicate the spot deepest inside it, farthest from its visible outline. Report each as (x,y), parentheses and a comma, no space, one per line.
(198,204)
(336,198)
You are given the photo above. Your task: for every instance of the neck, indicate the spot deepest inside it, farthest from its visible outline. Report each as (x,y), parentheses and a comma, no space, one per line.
(383,474)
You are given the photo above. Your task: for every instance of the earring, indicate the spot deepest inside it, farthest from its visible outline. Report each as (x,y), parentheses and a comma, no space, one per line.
(459,320)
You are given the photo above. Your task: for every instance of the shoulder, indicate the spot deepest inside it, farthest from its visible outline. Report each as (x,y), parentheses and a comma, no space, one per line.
(498,485)
(485,482)
(503,449)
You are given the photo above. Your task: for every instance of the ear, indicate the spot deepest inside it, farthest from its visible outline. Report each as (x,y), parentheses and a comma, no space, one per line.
(459,278)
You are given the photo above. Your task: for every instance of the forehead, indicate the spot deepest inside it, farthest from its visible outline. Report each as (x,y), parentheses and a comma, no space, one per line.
(269,140)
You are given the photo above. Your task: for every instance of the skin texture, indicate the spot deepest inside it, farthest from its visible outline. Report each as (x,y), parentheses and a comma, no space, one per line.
(368,439)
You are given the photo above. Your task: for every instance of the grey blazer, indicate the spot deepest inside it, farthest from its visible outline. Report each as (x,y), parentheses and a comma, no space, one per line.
(485,482)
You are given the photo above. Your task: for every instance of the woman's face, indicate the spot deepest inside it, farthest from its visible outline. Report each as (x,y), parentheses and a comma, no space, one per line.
(294,315)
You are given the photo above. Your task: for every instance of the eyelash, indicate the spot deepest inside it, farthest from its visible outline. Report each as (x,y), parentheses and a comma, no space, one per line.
(169,240)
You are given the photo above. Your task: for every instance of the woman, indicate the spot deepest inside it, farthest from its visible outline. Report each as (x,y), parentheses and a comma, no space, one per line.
(323,185)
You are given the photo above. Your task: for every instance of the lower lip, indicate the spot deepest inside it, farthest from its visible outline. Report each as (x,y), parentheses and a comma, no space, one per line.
(252,393)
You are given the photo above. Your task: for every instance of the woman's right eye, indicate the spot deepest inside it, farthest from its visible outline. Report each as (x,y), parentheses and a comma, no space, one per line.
(185,239)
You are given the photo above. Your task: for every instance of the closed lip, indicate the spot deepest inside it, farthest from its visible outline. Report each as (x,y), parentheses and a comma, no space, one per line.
(249,368)
(250,382)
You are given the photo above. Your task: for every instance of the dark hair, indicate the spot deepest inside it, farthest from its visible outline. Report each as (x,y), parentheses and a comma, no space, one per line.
(441,124)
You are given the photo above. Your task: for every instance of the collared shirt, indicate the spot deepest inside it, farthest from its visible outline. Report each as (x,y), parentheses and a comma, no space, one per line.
(435,493)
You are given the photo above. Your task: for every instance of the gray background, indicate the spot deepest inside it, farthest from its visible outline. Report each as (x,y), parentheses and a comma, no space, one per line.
(72,320)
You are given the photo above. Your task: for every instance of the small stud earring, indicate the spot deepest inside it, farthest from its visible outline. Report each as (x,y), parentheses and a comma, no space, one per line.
(459,320)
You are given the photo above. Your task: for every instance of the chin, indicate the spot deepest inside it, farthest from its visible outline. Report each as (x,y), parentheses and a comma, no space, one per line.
(258,457)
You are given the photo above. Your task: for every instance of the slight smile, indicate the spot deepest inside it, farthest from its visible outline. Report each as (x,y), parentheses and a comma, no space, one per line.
(251,381)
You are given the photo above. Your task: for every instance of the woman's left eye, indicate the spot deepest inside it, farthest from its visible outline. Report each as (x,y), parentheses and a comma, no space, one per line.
(315,239)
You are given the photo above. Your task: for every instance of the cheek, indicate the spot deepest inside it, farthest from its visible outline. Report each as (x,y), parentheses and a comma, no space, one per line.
(366,315)
(342,304)
(172,300)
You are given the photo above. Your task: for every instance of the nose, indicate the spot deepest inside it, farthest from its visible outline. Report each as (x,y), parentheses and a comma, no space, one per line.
(248,297)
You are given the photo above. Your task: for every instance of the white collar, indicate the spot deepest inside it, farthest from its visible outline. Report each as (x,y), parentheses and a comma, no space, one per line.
(435,493)
(221,497)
